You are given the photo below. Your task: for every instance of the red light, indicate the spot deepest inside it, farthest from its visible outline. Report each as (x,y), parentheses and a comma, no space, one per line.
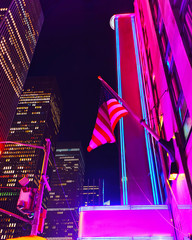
(1,148)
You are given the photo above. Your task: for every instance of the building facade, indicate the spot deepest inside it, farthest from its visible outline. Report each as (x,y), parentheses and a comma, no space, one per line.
(154,69)
(37,118)
(164,39)
(154,72)
(65,197)
(93,193)
(20,26)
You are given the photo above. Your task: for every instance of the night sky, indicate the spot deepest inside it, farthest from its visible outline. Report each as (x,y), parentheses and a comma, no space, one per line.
(76,45)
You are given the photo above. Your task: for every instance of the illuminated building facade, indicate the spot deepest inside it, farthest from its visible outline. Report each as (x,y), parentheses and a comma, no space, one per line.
(66,193)
(93,193)
(20,26)
(154,72)
(37,118)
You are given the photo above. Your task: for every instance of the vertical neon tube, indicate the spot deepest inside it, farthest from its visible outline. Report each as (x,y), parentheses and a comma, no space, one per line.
(122,143)
(154,182)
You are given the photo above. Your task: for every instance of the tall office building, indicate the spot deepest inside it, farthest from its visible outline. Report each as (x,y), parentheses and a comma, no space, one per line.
(154,77)
(93,193)
(20,26)
(37,118)
(66,193)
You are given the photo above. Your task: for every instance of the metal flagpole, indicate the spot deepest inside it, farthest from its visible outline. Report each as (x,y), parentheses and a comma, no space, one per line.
(167,145)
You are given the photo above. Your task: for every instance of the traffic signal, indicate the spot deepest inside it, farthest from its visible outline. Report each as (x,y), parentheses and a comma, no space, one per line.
(26,201)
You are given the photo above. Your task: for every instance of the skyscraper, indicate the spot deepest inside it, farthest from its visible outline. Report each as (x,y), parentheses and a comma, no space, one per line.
(20,26)
(93,193)
(37,118)
(66,192)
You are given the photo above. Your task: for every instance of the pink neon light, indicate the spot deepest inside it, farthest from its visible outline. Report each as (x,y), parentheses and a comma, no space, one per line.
(125,223)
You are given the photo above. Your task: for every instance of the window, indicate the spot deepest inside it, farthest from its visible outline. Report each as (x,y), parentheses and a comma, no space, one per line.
(175,85)
(169,57)
(187,125)
(164,40)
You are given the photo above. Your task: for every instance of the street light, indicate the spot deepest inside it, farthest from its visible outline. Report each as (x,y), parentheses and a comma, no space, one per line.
(42,183)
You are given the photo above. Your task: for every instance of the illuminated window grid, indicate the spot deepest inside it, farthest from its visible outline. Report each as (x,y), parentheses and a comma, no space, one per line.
(8,16)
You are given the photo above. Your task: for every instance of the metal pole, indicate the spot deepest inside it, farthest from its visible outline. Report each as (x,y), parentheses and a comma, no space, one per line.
(37,212)
(125,105)
(15,216)
(168,146)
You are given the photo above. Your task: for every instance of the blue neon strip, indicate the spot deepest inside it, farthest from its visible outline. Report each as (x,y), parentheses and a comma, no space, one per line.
(144,112)
(122,144)
(158,176)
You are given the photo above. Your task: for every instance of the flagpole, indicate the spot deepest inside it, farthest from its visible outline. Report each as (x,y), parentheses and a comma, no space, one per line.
(167,145)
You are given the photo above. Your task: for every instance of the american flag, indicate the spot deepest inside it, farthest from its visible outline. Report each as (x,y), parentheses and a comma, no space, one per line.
(109,113)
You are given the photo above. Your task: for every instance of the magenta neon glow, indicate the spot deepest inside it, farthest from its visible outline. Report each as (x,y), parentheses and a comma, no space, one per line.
(125,221)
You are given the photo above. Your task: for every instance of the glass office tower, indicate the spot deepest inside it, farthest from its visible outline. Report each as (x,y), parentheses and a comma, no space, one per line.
(93,193)
(37,118)
(20,26)
(66,192)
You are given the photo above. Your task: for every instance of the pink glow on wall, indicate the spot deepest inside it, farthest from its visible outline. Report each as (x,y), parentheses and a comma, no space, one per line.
(134,135)
(125,221)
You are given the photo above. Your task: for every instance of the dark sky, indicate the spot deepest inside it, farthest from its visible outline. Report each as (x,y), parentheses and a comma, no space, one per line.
(76,45)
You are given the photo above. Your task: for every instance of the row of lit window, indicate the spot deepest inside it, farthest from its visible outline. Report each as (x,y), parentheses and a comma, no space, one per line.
(33,97)
(19,128)
(3,9)
(12,225)
(7,167)
(10,184)
(3,199)
(8,172)
(23,107)
(16,45)
(67,150)
(21,113)
(25,159)
(6,67)
(18,84)
(33,102)
(30,92)
(26,20)
(8,73)
(17,156)
(12,180)
(9,194)
(20,39)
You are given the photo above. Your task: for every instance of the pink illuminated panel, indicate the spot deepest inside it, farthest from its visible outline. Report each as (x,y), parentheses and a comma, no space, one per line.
(125,221)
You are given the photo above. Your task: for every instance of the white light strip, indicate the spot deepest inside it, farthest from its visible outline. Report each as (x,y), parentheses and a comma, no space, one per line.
(123,207)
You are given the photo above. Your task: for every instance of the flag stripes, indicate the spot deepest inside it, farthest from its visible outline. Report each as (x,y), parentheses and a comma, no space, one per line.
(108,115)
